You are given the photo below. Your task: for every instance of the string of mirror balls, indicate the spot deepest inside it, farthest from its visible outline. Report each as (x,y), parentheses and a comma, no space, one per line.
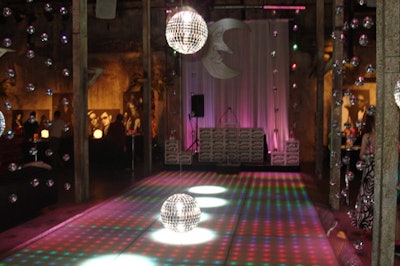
(363,40)
(275,71)
(339,68)
(13,198)
(12,167)
(49,12)
(349,175)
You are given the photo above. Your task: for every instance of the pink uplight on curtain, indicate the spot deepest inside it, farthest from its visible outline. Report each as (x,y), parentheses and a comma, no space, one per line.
(258,96)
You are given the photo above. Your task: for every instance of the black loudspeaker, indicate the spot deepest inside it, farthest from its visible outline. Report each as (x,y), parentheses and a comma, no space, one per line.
(198,105)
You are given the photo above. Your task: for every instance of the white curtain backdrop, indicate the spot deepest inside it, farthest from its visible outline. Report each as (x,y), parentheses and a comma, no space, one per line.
(257,97)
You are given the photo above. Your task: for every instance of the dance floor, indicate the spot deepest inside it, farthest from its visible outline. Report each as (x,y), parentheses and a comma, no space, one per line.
(248,219)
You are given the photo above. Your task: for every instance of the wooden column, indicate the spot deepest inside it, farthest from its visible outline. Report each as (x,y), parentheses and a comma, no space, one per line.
(80,99)
(387,131)
(319,136)
(336,109)
(147,116)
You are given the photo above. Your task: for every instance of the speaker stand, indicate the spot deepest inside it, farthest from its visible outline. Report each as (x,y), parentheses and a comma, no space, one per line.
(195,143)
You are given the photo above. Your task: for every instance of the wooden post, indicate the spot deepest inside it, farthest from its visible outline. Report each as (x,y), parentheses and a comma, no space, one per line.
(80,100)
(336,109)
(387,131)
(319,152)
(147,115)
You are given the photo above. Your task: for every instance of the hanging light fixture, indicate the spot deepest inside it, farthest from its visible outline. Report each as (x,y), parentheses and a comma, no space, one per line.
(2,123)
(186,31)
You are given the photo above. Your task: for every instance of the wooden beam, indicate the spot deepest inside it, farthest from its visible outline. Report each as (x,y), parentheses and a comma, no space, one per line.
(80,100)
(336,110)
(387,131)
(147,115)
(319,136)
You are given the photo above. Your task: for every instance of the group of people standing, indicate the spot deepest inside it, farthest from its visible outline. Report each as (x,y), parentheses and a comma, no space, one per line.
(101,122)
(31,129)
(354,109)
(114,135)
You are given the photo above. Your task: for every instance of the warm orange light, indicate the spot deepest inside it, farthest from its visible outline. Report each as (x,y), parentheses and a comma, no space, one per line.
(97,134)
(44,134)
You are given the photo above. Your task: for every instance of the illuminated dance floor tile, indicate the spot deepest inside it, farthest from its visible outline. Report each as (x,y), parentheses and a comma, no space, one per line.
(213,252)
(280,251)
(248,219)
(88,240)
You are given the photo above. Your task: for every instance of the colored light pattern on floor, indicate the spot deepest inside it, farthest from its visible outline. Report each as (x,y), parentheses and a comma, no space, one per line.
(268,220)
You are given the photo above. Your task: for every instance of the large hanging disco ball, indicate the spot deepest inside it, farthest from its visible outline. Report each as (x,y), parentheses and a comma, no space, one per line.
(186,31)
(2,123)
(396,93)
(180,213)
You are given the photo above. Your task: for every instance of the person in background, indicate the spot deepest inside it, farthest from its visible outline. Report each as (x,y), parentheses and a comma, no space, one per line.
(116,142)
(358,110)
(362,105)
(363,211)
(106,121)
(56,133)
(66,110)
(31,127)
(94,122)
(43,123)
(347,122)
(18,124)
(127,123)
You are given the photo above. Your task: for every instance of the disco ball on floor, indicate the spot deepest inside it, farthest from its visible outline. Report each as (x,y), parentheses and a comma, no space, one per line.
(186,31)
(180,213)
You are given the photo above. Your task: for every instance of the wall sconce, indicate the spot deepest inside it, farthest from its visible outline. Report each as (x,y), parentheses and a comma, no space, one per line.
(44,134)
(97,134)
(186,31)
